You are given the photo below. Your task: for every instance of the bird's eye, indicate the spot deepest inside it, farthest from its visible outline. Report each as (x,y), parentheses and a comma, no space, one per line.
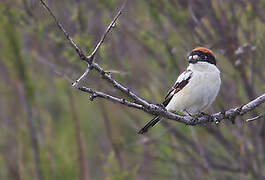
(190,57)
(195,57)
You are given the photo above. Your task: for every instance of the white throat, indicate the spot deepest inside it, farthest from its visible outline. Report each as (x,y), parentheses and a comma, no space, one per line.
(203,66)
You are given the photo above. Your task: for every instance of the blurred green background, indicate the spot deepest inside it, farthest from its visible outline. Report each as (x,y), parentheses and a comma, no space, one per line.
(49,130)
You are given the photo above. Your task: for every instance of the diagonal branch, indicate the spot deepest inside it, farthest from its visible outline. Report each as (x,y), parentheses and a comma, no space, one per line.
(95,94)
(90,58)
(68,37)
(119,86)
(111,25)
(76,83)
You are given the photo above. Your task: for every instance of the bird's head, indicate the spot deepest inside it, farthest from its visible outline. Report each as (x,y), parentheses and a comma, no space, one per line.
(201,54)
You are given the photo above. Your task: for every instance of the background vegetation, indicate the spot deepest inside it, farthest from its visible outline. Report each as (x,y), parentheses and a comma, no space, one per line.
(49,130)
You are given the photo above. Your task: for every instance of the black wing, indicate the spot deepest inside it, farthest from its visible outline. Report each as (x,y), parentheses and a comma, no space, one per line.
(181,82)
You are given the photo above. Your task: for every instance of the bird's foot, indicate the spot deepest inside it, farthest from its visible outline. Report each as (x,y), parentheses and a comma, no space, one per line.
(188,113)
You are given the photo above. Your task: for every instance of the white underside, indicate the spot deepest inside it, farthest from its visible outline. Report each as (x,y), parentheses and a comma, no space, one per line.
(200,92)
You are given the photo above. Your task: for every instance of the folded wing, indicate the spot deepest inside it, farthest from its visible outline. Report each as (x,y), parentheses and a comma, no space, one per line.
(181,82)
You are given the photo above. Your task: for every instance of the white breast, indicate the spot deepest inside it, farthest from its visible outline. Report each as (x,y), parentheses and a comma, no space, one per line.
(200,92)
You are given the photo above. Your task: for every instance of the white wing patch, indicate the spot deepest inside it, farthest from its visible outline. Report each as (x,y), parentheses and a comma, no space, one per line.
(183,77)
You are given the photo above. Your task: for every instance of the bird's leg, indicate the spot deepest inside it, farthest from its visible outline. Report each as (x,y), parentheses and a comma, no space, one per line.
(188,113)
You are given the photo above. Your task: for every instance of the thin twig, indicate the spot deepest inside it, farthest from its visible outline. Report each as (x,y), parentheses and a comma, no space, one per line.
(256,118)
(119,86)
(76,83)
(112,71)
(90,58)
(111,25)
(71,41)
(95,94)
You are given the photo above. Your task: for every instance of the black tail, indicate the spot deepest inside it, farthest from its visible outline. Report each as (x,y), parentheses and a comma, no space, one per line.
(149,124)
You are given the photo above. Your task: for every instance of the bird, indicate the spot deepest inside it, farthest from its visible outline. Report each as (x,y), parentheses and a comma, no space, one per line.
(195,89)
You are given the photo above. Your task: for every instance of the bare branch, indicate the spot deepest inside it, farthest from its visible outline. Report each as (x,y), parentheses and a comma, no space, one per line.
(76,83)
(119,86)
(232,113)
(111,25)
(78,50)
(189,120)
(140,103)
(112,71)
(90,58)
(256,118)
(94,65)
(95,94)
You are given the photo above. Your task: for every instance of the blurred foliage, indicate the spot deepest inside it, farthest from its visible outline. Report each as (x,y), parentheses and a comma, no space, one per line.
(51,131)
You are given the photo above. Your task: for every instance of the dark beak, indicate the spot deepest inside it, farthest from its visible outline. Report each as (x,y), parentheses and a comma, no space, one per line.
(192,61)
